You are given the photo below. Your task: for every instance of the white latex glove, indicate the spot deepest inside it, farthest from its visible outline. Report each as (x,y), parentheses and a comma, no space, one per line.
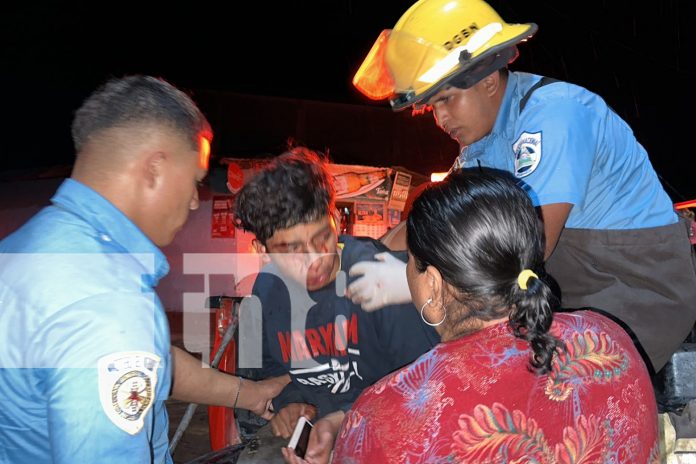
(383,282)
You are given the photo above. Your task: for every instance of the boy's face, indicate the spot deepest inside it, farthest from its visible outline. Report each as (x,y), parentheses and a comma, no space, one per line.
(306,252)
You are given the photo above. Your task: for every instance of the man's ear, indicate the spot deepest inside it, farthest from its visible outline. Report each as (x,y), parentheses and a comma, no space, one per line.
(260,248)
(154,168)
(491,83)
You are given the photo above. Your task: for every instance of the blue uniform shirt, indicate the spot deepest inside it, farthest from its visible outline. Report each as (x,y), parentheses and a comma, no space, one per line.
(85,364)
(569,146)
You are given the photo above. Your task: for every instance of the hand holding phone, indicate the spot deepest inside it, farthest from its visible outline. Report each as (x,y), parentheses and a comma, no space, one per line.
(300,436)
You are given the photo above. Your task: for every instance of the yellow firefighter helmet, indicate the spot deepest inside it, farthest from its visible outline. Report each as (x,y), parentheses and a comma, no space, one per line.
(437,43)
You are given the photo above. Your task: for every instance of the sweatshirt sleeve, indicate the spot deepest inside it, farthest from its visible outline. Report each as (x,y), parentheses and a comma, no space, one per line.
(405,336)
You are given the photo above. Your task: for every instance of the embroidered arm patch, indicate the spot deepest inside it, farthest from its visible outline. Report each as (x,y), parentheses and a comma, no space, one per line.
(127,382)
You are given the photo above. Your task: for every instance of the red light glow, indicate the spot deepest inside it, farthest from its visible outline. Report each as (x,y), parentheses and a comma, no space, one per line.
(685,204)
(203,152)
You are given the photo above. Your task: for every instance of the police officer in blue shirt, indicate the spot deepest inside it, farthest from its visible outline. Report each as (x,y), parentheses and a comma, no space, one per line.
(613,239)
(85,359)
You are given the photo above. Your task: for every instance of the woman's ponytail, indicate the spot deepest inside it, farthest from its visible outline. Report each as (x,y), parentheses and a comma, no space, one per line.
(531,317)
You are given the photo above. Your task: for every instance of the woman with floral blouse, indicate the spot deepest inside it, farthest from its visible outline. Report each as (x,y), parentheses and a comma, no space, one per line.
(513,380)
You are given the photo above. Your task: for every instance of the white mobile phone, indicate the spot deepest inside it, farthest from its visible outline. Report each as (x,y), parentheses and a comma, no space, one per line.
(300,436)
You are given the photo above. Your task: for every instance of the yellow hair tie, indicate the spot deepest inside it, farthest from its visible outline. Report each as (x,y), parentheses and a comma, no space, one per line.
(524,276)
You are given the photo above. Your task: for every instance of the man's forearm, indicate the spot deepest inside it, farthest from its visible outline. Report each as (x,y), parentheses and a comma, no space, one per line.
(194,382)
(554,216)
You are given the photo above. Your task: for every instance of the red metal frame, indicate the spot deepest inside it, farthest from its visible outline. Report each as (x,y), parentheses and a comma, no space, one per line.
(223,428)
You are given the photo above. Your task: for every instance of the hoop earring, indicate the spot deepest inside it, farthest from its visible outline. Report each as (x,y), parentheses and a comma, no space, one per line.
(430,300)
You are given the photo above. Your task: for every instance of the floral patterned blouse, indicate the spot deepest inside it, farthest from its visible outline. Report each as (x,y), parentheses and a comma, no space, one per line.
(474,400)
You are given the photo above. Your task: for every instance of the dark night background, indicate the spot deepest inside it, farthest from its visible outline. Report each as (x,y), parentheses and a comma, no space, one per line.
(637,56)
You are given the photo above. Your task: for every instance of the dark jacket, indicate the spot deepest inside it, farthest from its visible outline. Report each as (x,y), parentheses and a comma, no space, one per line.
(341,349)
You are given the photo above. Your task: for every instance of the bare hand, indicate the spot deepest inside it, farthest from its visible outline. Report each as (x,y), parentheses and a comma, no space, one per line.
(285,421)
(257,396)
(321,441)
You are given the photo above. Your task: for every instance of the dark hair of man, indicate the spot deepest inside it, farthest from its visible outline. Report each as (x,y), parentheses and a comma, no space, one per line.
(478,228)
(135,101)
(295,188)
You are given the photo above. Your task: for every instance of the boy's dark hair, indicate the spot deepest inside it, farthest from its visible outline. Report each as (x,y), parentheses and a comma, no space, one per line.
(294,188)
(139,100)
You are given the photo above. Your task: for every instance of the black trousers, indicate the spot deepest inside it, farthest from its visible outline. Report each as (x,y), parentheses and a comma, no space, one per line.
(646,278)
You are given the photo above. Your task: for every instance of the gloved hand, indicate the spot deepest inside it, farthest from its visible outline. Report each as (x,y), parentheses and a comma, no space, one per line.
(383,282)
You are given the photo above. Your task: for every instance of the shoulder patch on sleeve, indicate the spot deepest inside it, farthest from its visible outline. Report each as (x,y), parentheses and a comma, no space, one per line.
(127,383)
(527,150)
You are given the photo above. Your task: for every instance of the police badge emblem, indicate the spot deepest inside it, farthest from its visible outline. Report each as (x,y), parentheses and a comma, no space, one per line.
(527,150)
(127,382)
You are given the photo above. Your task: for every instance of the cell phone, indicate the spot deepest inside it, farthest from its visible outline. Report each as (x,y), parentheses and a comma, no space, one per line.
(300,436)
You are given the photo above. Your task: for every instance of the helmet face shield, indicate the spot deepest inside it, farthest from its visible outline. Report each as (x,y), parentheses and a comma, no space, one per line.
(400,65)
(395,63)
(373,78)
